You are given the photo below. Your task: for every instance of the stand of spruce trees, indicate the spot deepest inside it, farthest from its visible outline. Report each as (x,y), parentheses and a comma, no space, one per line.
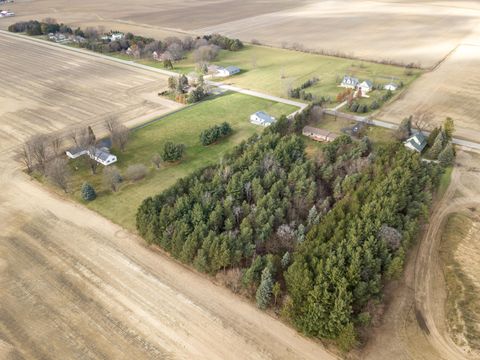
(318,230)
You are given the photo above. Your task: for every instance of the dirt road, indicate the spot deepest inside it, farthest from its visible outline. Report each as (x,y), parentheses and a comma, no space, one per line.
(414,327)
(76,286)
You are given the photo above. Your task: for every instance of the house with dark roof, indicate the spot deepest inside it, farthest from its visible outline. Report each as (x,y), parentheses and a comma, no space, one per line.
(416,142)
(349,82)
(101,155)
(262,118)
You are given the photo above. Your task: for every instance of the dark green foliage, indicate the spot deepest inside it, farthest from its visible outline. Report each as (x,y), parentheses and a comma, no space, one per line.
(264,291)
(172,152)
(447,155)
(404,129)
(438,145)
(342,262)
(88,192)
(354,106)
(224,42)
(374,105)
(449,128)
(34,27)
(433,135)
(196,95)
(215,133)
(298,93)
(313,227)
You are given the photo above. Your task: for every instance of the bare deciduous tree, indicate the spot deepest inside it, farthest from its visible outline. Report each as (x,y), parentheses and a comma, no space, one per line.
(119,133)
(157,160)
(38,145)
(422,120)
(112,178)
(27,156)
(57,172)
(56,144)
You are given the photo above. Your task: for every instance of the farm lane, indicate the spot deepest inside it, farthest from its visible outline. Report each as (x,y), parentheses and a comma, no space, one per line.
(76,286)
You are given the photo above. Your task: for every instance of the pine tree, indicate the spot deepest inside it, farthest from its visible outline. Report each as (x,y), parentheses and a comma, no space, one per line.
(285,260)
(88,192)
(264,291)
(447,155)
(404,130)
(449,127)
(437,145)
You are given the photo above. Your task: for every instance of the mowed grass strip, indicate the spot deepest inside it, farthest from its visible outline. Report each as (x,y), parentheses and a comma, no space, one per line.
(183,127)
(274,71)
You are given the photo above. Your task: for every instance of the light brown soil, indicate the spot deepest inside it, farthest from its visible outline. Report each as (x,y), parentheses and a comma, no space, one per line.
(76,286)
(45,89)
(414,326)
(405,31)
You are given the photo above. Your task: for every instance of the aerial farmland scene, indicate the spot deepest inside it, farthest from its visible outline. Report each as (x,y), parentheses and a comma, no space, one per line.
(220,179)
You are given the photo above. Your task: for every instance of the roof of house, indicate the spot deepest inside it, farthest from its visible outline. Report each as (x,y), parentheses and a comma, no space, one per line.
(264,116)
(349,79)
(316,131)
(232,69)
(367,82)
(102,154)
(76,150)
(417,141)
(392,84)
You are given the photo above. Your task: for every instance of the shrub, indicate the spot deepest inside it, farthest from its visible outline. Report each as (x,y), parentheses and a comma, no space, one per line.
(136,172)
(211,135)
(172,152)
(88,192)
(374,105)
(354,107)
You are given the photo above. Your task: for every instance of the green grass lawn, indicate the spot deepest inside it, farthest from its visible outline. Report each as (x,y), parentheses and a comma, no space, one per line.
(274,70)
(181,127)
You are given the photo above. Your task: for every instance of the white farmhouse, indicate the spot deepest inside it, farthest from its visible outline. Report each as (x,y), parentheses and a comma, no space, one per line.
(228,71)
(391,86)
(366,86)
(102,156)
(349,82)
(262,118)
(416,142)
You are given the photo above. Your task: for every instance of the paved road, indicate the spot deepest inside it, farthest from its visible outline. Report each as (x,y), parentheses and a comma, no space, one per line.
(391,126)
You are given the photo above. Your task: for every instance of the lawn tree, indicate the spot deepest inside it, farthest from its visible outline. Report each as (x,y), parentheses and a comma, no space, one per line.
(91,138)
(157,160)
(88,192)
(172,82)
(57,172)
(91,159)
(422,120)
(433,135)
(119,133)
(447,155)
(112,178)
(449,128)
(437,145)
(404,129)
(56,144)
(136,172)
(172,152)
(39,147)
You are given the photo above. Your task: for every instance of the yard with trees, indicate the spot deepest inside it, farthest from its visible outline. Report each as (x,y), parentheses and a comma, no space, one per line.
(121,188)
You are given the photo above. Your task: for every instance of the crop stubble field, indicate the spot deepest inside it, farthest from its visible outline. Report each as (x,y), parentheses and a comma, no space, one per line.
(44,90)
(76,286)
(422,32)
